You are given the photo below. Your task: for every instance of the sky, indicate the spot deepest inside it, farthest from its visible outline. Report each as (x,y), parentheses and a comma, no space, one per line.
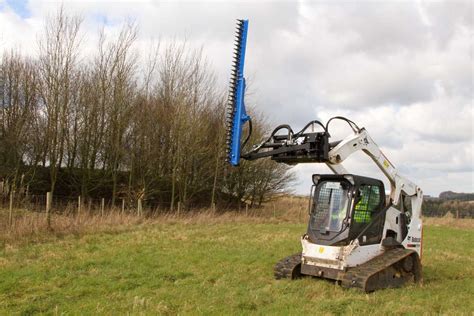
(402,69)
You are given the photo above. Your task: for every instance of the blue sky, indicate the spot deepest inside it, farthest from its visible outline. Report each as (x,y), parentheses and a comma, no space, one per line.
(20,7)
(401,69)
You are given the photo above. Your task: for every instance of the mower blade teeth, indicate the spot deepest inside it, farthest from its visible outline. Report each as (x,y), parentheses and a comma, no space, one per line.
(234,84)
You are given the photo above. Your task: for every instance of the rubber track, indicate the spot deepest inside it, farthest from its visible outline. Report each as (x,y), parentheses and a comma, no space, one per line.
(357,277)
(288,268)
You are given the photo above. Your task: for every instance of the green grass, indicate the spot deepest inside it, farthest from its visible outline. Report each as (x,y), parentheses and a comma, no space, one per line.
(222,268)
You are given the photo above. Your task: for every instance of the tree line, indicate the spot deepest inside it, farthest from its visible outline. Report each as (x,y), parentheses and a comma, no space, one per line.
(121,124)
(441,207)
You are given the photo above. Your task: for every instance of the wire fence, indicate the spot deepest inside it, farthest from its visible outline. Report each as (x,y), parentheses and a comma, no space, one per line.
(71,205)
(21,203)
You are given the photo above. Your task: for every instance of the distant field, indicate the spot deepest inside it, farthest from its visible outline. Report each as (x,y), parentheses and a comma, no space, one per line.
(214,267)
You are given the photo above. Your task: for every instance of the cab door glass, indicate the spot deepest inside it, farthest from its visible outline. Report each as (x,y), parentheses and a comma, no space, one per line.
(366,209)
(330,206)
(368,203)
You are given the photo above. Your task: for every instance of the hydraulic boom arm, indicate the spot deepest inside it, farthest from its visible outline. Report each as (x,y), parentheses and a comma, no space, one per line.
(302,147)
(362,141)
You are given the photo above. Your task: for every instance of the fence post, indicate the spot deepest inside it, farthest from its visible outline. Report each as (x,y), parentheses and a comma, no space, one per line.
(79,205)
(48,208)
(274,211)
(102,206)
(179,207)
(246,209)
(10,210)
(123,206)
(139,207)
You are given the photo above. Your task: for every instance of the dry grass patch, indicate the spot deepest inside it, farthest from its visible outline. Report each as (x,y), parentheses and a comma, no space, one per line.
(463,223)
(32,226)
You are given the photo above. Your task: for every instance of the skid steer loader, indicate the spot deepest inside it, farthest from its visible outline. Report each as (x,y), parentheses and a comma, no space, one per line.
(355,236)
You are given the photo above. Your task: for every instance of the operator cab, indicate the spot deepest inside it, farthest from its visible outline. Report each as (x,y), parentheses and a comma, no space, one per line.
(346,207)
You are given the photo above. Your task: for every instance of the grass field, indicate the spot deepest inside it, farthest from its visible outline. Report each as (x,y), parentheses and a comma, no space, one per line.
(214,267)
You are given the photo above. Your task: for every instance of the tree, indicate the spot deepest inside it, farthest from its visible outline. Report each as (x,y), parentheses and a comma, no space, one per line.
(57,69)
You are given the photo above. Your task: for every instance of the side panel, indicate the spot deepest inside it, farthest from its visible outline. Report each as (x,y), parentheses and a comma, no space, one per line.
(391,218)
(414,238)
(362,254)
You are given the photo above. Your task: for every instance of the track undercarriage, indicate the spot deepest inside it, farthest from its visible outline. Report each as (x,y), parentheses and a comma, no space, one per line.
(394,268)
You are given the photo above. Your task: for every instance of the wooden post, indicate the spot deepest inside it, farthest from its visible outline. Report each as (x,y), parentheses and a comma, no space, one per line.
(79,205)
(22,179)
(246,210)
(123,206)
(274,211)
(457,213)
(299,213)
(139,207)
(102,206)
(10,212)
(179,207)
(48,208)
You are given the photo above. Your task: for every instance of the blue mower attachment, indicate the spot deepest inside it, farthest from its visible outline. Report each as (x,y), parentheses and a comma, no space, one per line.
(292,148)
(236,116)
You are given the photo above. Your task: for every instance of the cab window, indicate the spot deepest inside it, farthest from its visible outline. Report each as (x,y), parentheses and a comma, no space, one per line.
(369,202)
(330,204)
(367,208)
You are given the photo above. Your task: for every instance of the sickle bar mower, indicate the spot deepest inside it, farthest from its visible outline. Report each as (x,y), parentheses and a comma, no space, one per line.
(236,115)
